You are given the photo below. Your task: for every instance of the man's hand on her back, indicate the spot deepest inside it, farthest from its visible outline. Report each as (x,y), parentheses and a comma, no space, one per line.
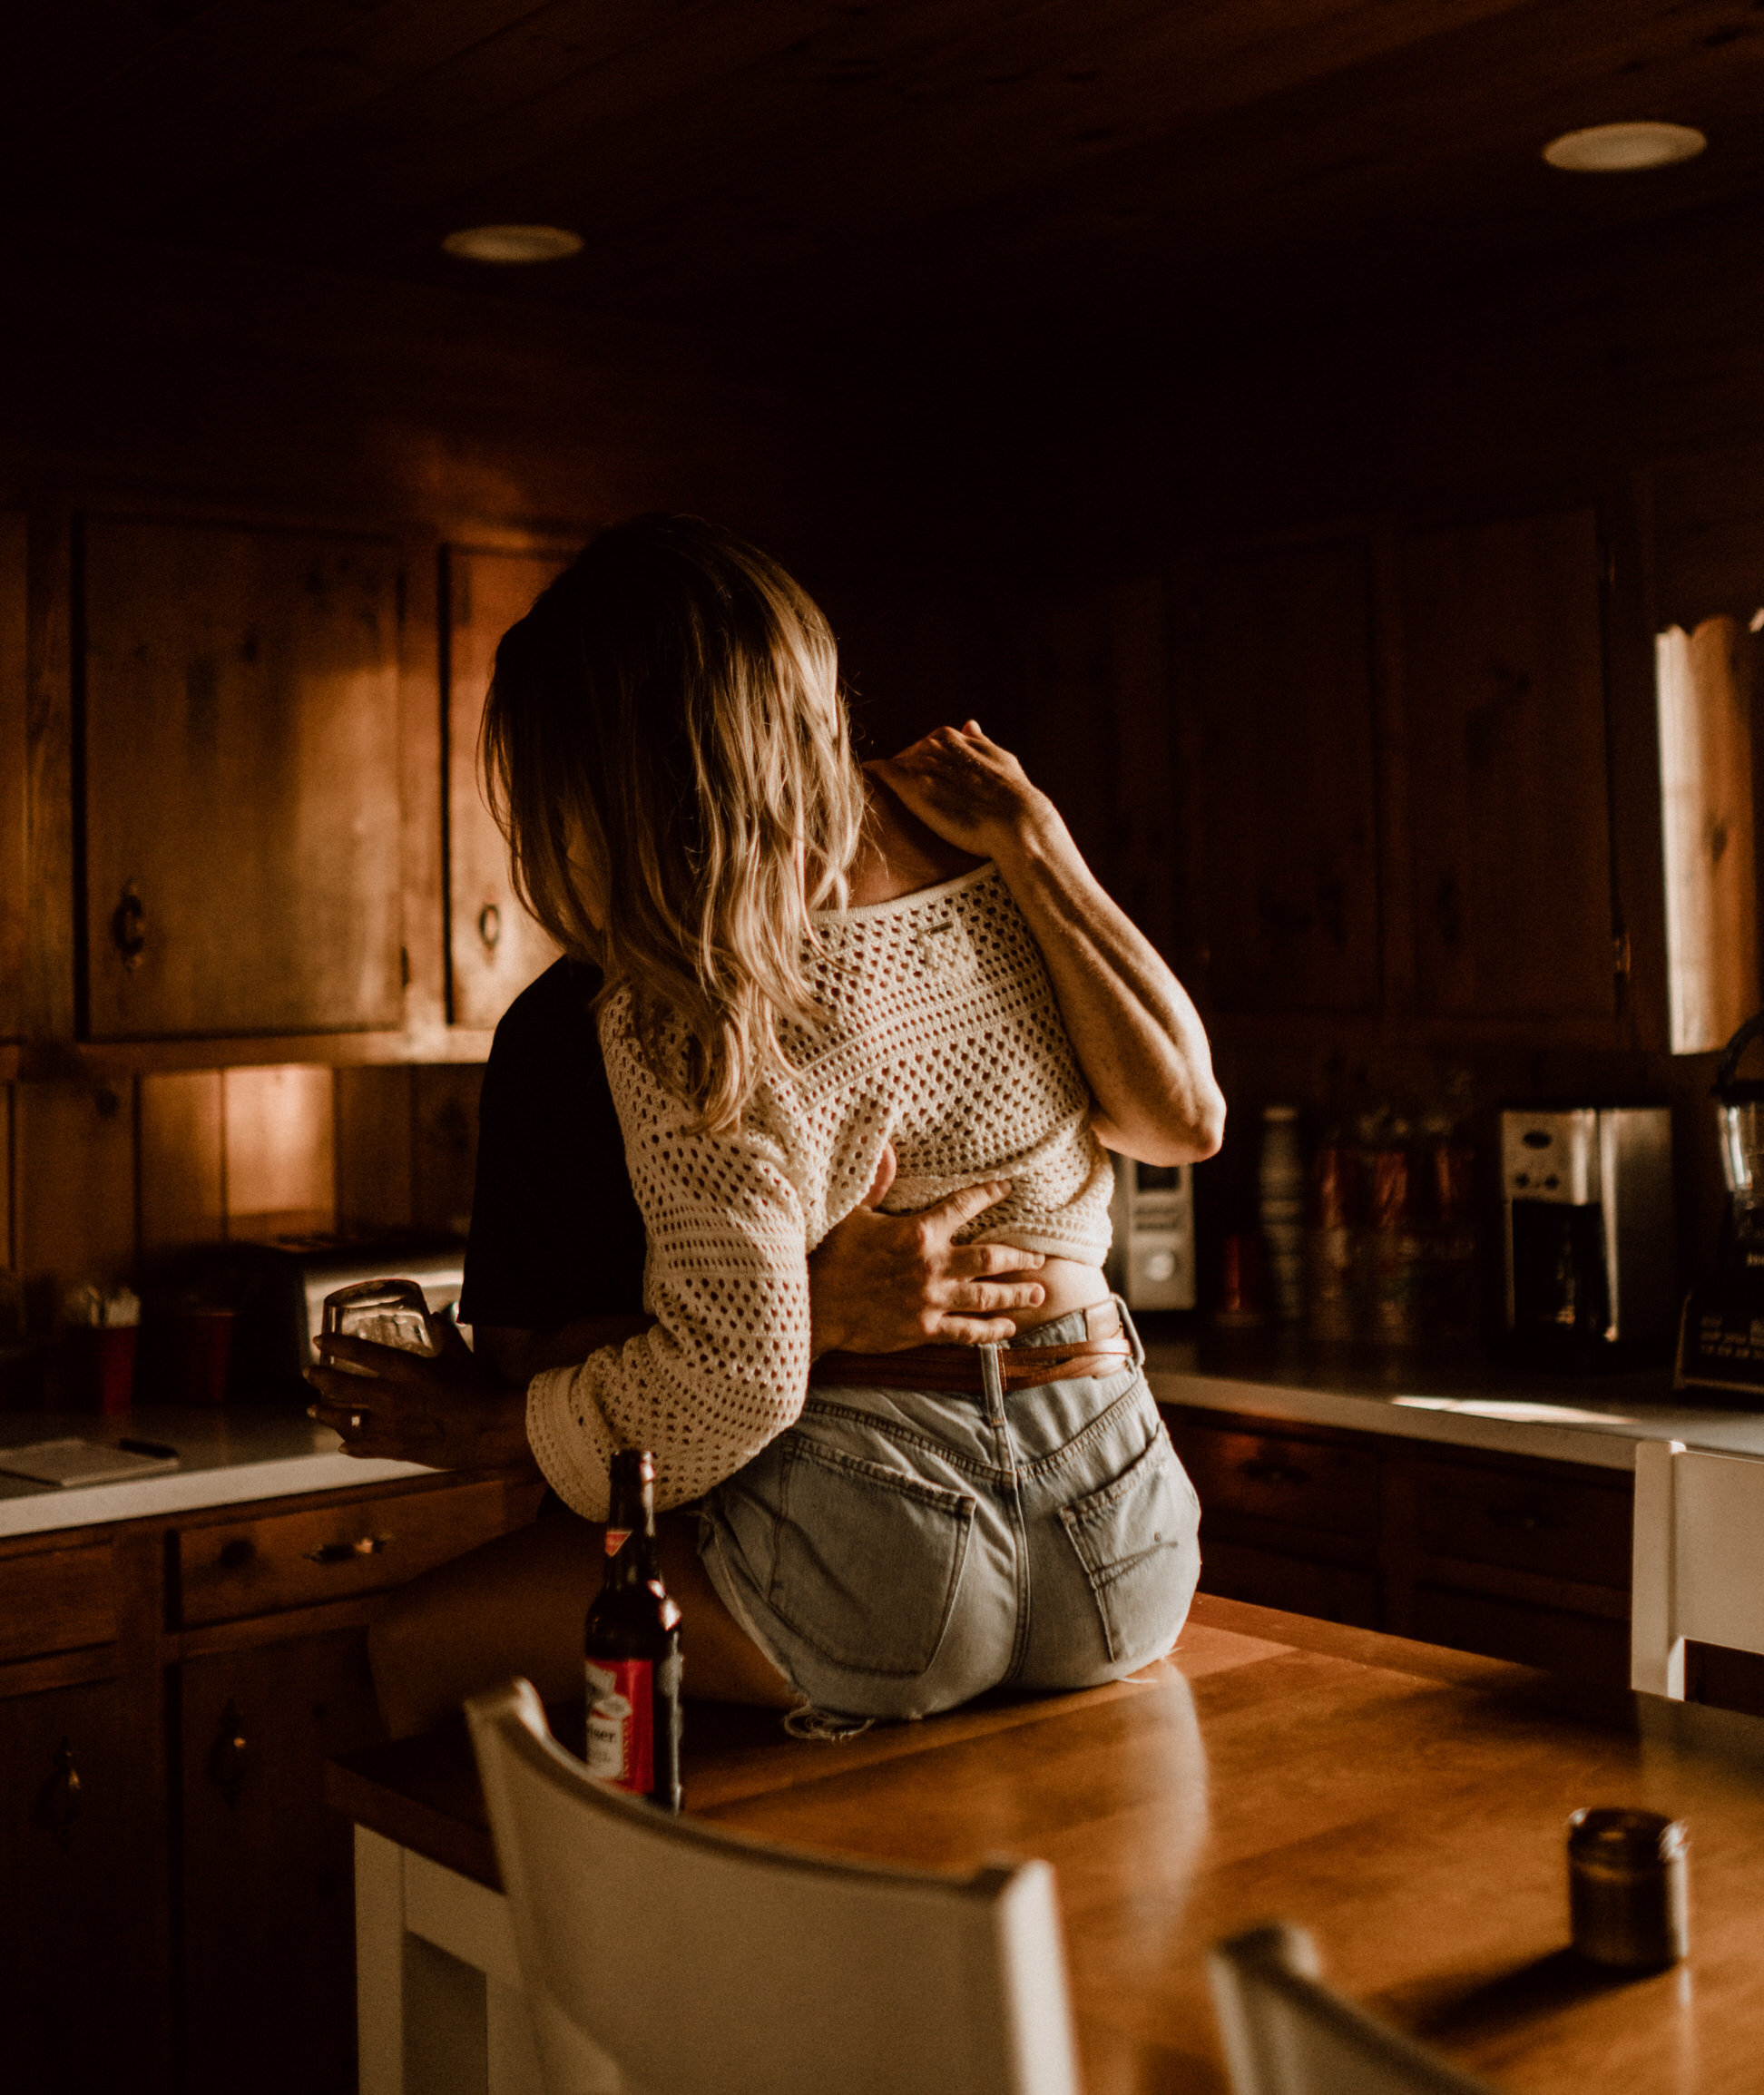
(880,1282)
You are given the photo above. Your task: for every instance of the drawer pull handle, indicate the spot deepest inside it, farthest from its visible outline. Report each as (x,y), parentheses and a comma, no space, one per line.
(1262,1470)
(230,1756)
(58,1801)
(347,1552)
(1526,1519)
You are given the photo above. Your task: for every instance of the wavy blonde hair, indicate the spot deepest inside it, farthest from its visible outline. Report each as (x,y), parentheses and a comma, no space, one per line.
(665,748)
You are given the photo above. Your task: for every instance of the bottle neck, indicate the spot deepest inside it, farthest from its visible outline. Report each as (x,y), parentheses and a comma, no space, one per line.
(630,1522)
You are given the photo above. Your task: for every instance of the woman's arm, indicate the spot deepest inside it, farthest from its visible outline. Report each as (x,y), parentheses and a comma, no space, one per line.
(1137,1038)
(876,1283)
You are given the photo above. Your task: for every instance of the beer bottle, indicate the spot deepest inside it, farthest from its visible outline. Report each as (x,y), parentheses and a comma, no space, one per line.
(631,1642)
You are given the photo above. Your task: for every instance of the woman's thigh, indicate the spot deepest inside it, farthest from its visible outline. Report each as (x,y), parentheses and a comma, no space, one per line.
(516,1606)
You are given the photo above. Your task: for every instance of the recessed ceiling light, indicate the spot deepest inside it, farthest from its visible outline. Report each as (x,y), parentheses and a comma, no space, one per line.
(1623,148)
(513,243)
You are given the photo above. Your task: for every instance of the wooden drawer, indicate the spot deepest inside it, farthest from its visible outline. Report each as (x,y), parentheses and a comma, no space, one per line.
(331,1553)
(1557,1526)
(1306,1483)
(57,1601)
(1332,1592)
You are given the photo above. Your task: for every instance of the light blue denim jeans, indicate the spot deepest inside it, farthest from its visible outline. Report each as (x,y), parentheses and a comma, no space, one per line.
(899,1551)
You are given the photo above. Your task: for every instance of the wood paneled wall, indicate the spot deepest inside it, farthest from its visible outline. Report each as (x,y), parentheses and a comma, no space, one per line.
(102,1181)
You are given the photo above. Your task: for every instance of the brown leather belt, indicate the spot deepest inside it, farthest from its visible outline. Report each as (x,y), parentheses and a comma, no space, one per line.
(959,1368)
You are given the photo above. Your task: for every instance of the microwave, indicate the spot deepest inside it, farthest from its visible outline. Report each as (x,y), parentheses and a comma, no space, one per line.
(1153,1211)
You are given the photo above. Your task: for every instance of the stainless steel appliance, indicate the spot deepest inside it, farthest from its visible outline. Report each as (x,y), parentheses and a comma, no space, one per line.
(1722,1338)
(1591,1264)
(1153,1215)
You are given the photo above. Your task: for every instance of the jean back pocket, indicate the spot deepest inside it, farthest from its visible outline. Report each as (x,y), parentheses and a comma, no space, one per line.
(868,1561)
(1137,1539)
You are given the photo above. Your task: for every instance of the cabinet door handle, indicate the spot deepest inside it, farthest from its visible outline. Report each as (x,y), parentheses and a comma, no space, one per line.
(58,1801)
(1264,1470)
(228,1756)
(347,1552)
(128,926)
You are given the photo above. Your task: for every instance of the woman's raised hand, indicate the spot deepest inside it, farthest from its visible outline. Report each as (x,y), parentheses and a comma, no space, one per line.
(962,784)
(1137,1038)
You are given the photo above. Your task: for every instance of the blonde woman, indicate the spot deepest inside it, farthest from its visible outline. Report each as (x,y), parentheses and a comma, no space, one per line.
(822,991)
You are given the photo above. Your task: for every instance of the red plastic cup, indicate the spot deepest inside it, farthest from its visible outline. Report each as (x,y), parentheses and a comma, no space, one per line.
(99,1362)
(201,1352)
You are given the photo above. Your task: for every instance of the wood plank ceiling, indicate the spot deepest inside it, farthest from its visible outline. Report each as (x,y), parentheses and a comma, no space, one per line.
(753,162)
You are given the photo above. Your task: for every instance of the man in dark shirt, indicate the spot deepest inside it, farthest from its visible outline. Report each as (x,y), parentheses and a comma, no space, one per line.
(556,1230)
(554,1262)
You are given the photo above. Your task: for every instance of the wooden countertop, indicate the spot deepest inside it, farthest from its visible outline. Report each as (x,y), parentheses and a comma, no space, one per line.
(1407,1804)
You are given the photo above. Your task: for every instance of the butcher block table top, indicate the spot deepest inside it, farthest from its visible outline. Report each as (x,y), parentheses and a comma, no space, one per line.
(1405,1804)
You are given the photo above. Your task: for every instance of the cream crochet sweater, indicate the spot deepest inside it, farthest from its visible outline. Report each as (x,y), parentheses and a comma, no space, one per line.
(941,1035)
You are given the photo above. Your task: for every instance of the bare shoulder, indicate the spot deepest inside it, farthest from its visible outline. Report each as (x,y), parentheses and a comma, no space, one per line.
(898,854)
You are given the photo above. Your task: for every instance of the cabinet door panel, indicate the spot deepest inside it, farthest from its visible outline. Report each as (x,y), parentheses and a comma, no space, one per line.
(497,947)
(83,1862)
(243,795)
(269,1976)
(1287,867)
(14,714)
(1504,656)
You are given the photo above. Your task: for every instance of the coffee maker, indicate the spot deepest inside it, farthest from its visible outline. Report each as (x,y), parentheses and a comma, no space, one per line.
(1592,1265)
(1721,1336)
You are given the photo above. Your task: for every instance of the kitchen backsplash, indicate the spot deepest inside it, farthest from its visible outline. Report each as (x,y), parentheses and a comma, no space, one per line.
(103,1176)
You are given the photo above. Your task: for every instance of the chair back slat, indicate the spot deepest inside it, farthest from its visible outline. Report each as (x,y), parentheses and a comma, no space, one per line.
(1699,1559)
(1286,2032)
(707,1963)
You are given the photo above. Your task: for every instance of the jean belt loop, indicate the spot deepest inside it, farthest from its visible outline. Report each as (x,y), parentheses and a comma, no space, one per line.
(1133,1338)
(992,1380)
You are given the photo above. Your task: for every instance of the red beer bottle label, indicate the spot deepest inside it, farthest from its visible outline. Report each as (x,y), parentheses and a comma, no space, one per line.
(621,1723)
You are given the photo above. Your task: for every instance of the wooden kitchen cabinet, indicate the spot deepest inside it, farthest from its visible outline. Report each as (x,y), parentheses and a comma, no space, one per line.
(268,1975)
(1502,1554)
(1282,810)
(178,1908)
(1503,681)
(495,948)
(81,1860)
(243,869)
(15,767)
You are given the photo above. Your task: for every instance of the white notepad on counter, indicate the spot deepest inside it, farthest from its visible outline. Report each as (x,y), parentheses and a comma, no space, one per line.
(83,1462)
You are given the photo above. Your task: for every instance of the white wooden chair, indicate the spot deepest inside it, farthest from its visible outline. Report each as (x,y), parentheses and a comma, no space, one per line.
(1286,2034)
(669,1956)
(1699,1559)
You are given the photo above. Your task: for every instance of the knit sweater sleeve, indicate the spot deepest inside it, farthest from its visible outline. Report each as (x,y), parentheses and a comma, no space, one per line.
(725,1367)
